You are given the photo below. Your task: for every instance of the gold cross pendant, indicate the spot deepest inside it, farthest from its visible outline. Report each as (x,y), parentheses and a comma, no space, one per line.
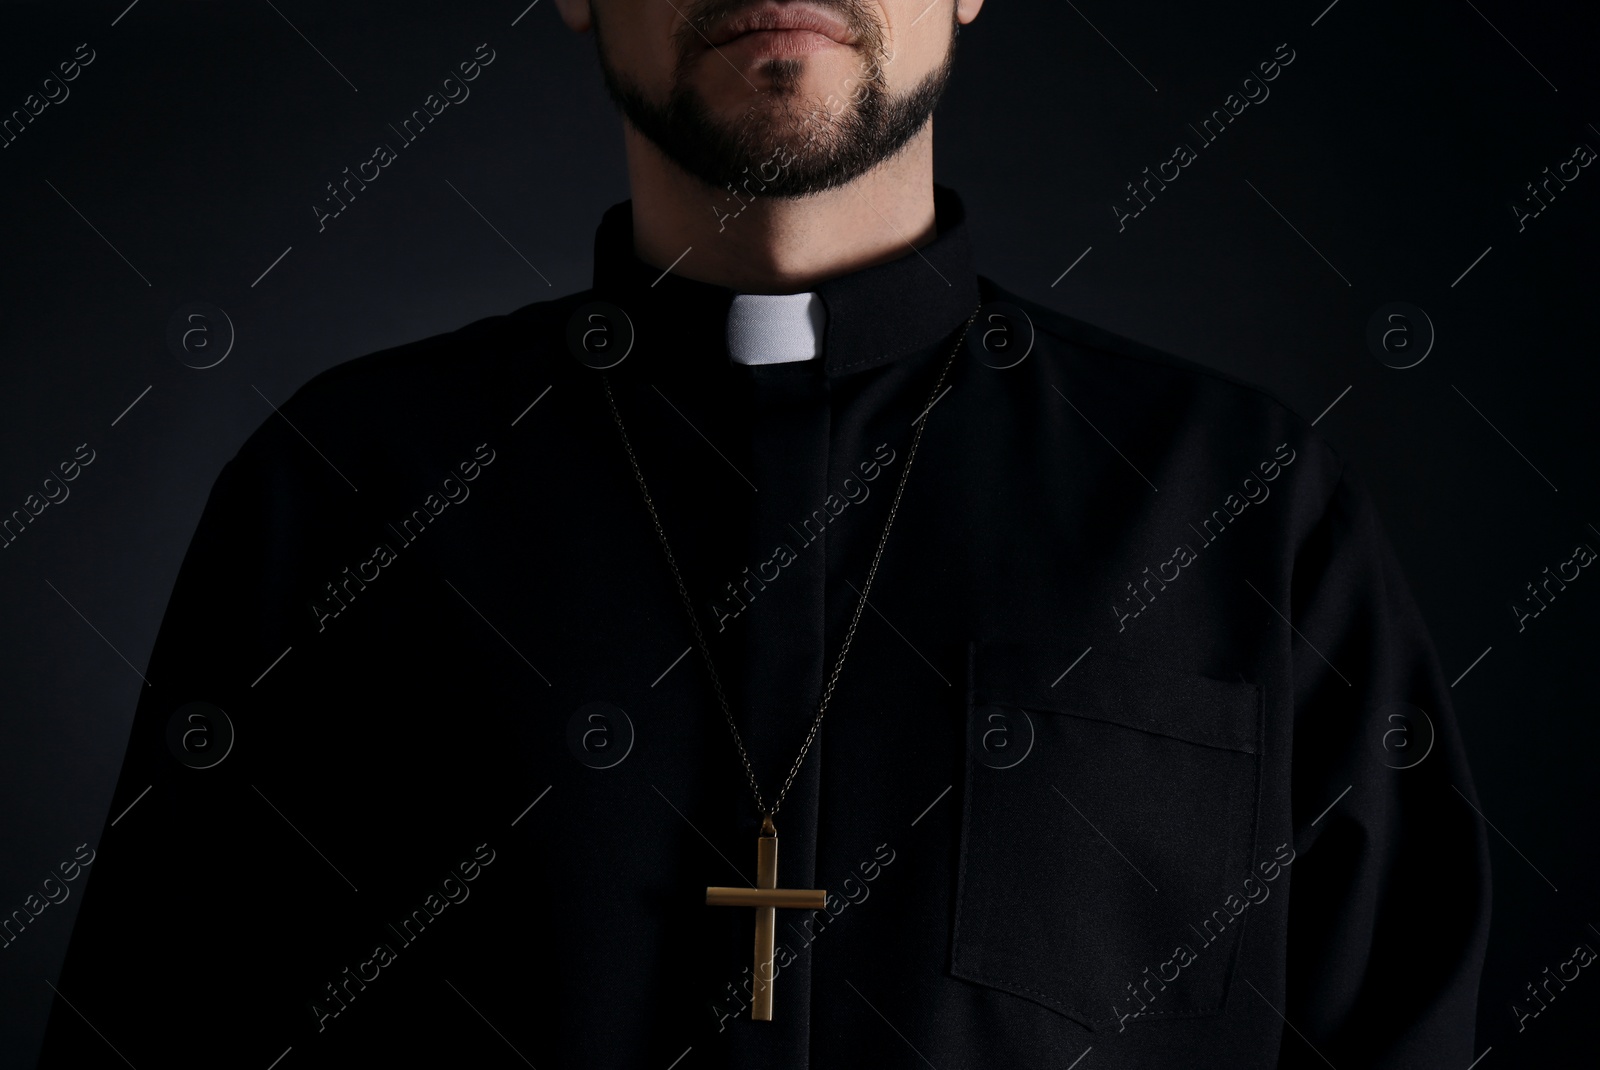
(766,896)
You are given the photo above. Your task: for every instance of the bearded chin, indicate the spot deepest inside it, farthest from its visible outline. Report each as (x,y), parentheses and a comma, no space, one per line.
(785,145)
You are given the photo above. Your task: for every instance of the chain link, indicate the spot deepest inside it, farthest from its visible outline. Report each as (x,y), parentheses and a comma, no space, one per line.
(855,619)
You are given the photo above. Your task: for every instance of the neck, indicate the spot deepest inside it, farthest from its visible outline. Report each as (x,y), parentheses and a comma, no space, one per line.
(772,244)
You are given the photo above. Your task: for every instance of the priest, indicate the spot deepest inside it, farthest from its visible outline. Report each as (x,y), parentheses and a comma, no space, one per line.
(1077,682)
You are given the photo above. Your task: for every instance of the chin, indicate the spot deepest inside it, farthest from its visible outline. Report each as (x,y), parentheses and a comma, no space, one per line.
(788,82)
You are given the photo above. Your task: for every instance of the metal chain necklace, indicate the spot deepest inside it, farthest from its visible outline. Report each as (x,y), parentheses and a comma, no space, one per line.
(866,587)
(766,896)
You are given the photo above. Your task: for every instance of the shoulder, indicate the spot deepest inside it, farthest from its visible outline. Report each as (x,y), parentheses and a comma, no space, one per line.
(1190,406)
(1096,350)
(469,356)
(407,397)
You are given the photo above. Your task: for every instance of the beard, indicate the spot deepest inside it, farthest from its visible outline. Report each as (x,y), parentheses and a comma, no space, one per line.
(811,146)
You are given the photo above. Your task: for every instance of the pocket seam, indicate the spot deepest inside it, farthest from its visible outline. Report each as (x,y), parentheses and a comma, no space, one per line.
(1254,745)
(1155,728)
(990,682)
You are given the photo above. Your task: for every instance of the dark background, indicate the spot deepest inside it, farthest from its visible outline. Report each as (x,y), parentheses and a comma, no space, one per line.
(201,135)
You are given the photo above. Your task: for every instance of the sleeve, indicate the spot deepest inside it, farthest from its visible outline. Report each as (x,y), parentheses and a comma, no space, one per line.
(188,886)
(1389,907)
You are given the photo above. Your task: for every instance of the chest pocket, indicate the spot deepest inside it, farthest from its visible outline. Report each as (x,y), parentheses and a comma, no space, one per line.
(1108,820)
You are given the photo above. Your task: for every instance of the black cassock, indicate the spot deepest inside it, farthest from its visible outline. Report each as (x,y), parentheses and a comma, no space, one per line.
(1141,747)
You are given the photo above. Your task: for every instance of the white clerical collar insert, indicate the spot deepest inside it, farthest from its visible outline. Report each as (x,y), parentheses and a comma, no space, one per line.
(775,328)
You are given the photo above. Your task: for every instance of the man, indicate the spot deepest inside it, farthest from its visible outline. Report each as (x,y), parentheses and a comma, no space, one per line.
(1077,682)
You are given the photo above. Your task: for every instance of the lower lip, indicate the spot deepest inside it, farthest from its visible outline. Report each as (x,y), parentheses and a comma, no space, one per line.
(768,43)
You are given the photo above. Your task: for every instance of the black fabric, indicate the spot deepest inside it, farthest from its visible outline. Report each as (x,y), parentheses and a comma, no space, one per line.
(1109,766)
(1048,909)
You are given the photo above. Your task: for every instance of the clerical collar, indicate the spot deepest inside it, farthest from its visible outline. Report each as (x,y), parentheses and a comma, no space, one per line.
(867,318)
(775,328)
